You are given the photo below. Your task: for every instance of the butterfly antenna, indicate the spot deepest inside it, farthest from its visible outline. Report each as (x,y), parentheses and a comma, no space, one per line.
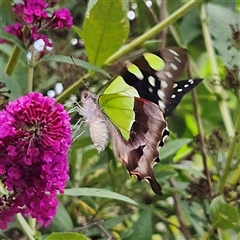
(85,84)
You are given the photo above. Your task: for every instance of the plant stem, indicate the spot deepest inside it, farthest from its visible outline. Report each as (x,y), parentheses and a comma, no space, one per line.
(25,227)
(184,228)
(30,78)
(154,31)
(32,224)
(230,154)
(202,142)
(13,60)
(215,72)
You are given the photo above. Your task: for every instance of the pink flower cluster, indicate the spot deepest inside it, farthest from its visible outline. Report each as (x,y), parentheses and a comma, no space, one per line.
(35,14)
(35,135)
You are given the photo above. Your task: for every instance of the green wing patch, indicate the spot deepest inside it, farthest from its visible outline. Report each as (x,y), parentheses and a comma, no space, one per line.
(119,109)
(118,85)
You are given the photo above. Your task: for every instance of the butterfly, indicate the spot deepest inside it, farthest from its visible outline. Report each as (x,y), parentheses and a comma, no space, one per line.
(130,111)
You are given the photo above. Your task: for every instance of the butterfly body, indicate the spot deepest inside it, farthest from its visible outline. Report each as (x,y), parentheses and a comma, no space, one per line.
(96,121)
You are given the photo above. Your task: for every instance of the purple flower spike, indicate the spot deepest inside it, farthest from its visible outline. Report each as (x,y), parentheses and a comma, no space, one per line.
(34,138)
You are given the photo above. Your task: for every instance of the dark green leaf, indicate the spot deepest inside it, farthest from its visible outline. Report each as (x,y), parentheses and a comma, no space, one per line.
(62,221)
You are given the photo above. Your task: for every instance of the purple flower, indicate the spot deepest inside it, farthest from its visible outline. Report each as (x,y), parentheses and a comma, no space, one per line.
(34,138)
(35,16)
(31,10)
(62,18)
(14,29)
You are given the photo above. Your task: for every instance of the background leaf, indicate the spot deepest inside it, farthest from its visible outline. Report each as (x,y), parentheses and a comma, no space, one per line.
(142,228)
(94,192)
(104,33)
(223,215)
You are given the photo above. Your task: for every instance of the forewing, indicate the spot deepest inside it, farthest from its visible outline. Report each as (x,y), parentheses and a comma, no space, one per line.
(154,78)
(180,88)
(119,110)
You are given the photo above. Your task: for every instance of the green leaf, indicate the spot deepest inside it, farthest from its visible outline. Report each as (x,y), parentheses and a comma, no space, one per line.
(191,170)
(13,39)
(142,228)
(67,236)
(222,32)
(97,192)
(105,30)
(62,221)
(11,84)
(190,21)
(223,214)
(78,31)
(172,147)
(80,63)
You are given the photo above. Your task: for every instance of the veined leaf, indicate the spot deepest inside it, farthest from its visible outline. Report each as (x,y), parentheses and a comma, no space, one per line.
(222,32)
(97,192)
(62,221)
(223,214)
(104,30)
(172,147)
(80,63)
(13,39)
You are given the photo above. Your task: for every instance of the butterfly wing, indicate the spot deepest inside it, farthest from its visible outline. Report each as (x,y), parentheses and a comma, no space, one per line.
(138,128)
(154,78)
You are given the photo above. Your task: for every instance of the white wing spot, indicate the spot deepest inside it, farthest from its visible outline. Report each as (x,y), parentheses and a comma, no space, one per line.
(150,89)
(151,80)
(191,81)
(186,85)
(169,75)
(161,105)
(180,90)
(173,52)
(164,84)
(173,96)
(161,94)
(173,66)
(176,58)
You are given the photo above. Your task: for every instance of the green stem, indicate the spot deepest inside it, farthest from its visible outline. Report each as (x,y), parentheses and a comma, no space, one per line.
(32,224)
(25,227)
(235,177)
(30,78)
(207,235)
(154,31)
(230,155)
(13,60)
(218,89)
